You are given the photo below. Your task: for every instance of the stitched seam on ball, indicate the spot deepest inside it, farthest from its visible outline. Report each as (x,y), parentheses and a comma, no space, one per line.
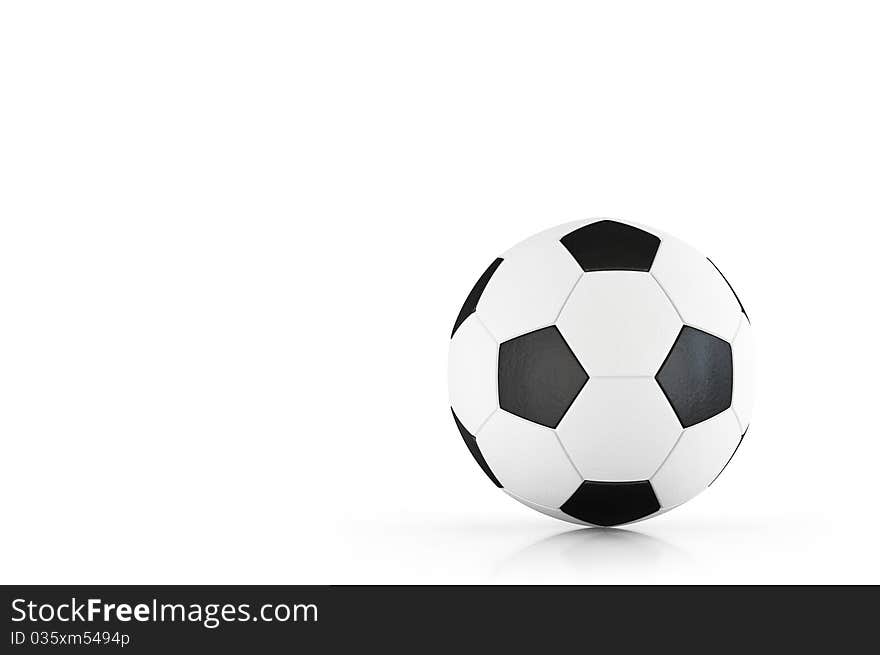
(567,296)
(668,455)
(738,328)
(488,331)
(738,420)
(568,457)
(668,297)
(483,424)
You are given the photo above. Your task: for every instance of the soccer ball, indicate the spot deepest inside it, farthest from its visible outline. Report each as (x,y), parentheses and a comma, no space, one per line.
(601,372)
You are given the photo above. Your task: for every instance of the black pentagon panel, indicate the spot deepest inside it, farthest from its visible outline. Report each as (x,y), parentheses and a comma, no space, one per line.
(539,376)
(730,459)
(612,503)
(730,286)
(697,376)
(612,246)
(471,442)
(470,303)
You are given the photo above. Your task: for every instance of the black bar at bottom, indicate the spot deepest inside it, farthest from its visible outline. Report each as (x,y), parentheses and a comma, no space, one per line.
(268,619)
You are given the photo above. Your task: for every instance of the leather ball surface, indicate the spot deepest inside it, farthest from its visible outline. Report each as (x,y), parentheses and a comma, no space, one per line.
(601,372)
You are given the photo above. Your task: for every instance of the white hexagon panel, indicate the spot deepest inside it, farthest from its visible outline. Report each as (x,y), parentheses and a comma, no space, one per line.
(528,289)
(619,323)
(473,357)
(527,459)
(697,289)
(697,459)
(619,429)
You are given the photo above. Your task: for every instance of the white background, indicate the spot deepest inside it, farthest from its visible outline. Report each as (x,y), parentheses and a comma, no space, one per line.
(234,238)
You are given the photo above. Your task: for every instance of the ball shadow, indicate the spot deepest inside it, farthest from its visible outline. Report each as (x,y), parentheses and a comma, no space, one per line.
(592,555)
